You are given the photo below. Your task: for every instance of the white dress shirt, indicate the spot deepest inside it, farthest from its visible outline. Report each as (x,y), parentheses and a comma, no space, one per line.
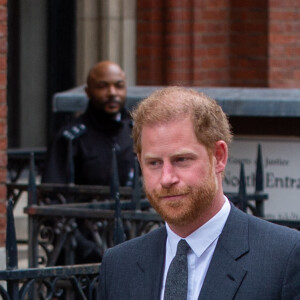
(203,242)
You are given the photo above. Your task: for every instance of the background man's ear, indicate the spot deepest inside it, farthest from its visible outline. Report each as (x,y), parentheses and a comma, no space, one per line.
(221,156)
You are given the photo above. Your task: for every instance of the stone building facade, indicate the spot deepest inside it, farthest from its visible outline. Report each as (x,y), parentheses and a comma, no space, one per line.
(249,43)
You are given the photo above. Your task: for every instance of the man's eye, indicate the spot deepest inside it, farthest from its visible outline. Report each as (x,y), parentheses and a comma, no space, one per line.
(101,85)
(153,163)
(120,86)
(181,159)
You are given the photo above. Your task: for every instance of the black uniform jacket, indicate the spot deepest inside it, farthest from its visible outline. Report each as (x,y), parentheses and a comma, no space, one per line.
(92,151)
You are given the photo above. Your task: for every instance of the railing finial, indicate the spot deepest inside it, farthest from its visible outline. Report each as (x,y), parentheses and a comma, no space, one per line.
(114,189)
(136,193)
(32,198)
(11,241)
(259,178)
(242,194)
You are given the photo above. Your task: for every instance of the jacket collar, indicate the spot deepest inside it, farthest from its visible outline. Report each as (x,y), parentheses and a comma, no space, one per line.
(103,121)
(225,272)
(150,266)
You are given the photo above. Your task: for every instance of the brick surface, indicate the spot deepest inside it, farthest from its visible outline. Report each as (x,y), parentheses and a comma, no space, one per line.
(2,128)
(284,44)
(3,112)
(2,221)
(182,28)
(3,143)
(238,43)
(3,115)
(3,14)
(3,160)
(2,208)
(2,95)
(3,188)
(3,234)
(3,179)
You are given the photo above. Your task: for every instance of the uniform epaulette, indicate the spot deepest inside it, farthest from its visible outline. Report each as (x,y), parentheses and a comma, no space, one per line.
(74,132)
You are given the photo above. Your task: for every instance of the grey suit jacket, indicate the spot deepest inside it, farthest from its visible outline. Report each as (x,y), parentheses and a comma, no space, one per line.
(253,259)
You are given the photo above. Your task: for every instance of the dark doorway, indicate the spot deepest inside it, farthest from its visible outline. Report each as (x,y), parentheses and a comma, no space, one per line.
(13,71)
(61,55)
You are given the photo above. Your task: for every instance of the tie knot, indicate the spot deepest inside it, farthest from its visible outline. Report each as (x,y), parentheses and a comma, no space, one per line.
(182,247)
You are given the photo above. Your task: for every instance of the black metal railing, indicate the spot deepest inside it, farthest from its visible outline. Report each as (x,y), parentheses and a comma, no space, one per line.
(112,214)
(121,214)
(44,283)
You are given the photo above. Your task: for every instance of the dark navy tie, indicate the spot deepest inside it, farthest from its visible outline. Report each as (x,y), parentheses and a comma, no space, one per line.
(177,277)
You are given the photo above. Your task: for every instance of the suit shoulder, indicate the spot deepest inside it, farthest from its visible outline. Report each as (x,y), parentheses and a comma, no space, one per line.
(138,244)
(263,226)
(276,235)
(260,234)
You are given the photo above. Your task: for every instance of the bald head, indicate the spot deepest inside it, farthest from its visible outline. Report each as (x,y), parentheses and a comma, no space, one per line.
(106,87)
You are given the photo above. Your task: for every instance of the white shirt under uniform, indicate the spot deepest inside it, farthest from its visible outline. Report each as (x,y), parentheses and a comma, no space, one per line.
(203,242)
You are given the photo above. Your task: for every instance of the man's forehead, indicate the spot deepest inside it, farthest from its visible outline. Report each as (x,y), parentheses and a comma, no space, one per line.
(107,78)
(104,71)
(107,73)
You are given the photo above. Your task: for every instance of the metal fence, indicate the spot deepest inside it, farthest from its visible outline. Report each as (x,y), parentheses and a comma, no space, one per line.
(117,214)
(74,282)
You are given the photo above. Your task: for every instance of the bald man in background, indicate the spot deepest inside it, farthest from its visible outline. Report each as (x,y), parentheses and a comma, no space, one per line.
(106,124)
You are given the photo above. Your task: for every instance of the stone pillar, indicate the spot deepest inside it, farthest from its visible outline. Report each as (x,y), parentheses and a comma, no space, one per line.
(88,32)
(33,75)
(106,31)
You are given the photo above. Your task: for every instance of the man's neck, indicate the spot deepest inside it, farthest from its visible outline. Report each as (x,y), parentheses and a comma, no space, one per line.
(210,212)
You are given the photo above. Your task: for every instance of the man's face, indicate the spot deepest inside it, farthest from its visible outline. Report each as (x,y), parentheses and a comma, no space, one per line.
(107,89)
(179,175)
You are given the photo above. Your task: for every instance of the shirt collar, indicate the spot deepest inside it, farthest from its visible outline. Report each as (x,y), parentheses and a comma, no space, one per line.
(118,117)
(205,235)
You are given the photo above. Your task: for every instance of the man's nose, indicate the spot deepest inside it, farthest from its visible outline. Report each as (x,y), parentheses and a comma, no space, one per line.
(168,176)
(112,90)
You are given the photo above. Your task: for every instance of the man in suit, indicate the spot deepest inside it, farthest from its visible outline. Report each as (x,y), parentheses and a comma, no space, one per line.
(181,138)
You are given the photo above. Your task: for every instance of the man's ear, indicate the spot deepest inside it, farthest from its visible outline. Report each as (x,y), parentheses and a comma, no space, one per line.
(221,156)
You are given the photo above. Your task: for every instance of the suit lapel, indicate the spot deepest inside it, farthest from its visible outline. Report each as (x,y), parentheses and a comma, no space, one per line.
(150,266)
(225,273)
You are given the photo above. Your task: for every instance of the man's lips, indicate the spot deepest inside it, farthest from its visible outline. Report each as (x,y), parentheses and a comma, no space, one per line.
(113,101)
(172,197)
(113,105)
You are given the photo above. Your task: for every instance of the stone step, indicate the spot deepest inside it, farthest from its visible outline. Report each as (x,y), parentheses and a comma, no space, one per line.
(22,256)
(21,225)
